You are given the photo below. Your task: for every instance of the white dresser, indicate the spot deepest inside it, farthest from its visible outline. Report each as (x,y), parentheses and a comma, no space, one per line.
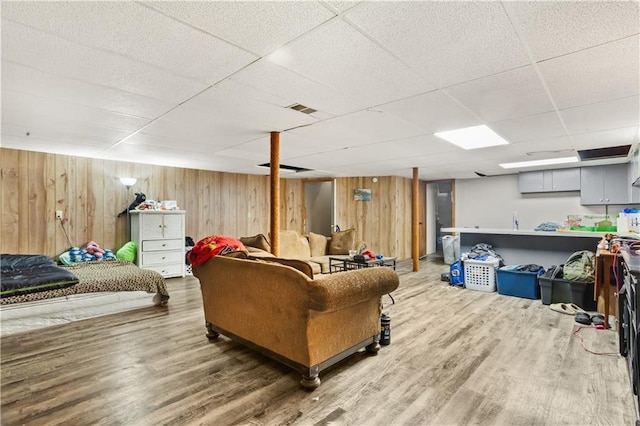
(160,237)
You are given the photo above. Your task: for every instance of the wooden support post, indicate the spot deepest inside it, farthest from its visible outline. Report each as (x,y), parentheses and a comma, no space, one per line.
(275,193)
(415,221)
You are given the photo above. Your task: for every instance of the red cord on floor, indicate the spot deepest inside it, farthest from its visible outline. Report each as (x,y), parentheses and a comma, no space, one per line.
(576,333)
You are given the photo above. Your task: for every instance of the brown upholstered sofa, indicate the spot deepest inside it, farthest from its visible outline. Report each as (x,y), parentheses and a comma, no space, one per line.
(314,249)
(276,307)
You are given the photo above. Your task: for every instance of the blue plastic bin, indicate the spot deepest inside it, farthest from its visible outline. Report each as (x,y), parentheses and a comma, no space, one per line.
(518,283)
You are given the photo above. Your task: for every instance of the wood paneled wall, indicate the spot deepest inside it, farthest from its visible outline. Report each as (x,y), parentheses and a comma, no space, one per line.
(90,195)
(384,223)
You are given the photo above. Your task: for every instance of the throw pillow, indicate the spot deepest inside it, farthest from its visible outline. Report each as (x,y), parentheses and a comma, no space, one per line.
(65,258)
(318,244)
(343,241)
(129,251)
(258,241)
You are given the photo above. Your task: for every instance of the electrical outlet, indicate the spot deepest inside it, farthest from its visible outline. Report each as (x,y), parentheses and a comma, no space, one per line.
(58,214)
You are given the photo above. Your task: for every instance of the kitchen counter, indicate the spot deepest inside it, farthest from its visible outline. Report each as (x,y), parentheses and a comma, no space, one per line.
(528,246)
(498,231)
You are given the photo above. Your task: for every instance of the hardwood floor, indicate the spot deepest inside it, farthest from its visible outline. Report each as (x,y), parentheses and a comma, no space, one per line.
(456,357)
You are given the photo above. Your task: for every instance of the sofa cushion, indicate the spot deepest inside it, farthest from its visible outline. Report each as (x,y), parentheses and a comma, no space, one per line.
(317,244)
(343,241)
(300,265)
(293,245)
(257,241)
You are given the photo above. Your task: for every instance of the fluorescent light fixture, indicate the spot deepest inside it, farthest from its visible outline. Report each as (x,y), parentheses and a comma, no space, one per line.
(534,163)
(472,137)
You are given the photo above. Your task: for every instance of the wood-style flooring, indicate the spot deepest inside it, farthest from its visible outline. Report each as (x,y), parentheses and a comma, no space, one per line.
(456,357)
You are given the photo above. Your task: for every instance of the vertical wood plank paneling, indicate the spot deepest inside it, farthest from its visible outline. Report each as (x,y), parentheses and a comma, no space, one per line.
(50,242)
(81,202)
(95,206)
(10,233)
(37,203)
(62,202)
(90,195)
(111,206)
(23,204)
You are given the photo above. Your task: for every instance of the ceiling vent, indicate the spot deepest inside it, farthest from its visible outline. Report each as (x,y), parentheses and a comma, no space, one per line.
(604,153)
(302,108)
(285,168)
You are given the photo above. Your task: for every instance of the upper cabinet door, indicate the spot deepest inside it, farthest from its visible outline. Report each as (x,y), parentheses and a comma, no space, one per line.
(605,185)
(549,180)
(565,179)
(531,181)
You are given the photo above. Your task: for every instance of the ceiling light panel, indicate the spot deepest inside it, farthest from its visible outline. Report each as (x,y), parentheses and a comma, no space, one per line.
(533,163)
(473,137)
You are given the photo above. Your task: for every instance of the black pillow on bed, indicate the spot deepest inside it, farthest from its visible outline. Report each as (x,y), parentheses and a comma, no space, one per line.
(30,273)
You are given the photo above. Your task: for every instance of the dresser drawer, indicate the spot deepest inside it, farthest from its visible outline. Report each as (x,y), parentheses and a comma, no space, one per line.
(152,245)
(172,270)
(162,257)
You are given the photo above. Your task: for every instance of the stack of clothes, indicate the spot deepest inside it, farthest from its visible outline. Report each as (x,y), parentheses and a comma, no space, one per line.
(482,251)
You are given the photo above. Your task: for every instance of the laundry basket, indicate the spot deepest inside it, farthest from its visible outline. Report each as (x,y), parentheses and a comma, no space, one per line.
(480,274)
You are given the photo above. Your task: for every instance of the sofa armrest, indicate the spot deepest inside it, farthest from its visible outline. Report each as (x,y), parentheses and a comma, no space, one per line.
(344,289)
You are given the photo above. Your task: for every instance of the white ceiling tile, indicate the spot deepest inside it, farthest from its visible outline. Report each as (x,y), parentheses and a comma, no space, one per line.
(267,77)
(92,138)
(555,28)
(544,148)
(511,94)
(35,108)
(342,6)
(272,23)
(433,112)
(586,77)
(447,42)
(247,112)
(33,82)
(606,138)
(619,113)
(358,129)
(539,126)
(340,57)
(171,157)
(142,34)
(25,45)
(53,129)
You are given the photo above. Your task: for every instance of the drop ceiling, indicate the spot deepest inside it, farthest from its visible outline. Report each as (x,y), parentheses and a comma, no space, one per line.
(203,84)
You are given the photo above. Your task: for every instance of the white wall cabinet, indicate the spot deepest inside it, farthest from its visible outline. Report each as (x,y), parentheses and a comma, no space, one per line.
(605,185)
(549,180)
(160,237)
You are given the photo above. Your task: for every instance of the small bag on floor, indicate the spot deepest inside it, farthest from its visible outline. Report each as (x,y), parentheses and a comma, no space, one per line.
(456,273)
